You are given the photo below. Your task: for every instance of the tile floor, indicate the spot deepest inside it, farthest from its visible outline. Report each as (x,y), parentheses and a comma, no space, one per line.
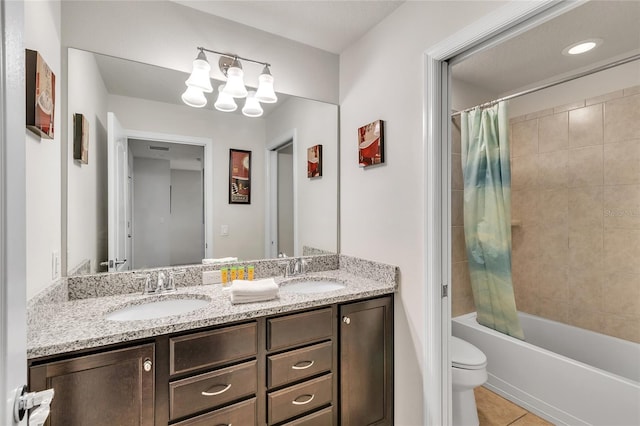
(494,410)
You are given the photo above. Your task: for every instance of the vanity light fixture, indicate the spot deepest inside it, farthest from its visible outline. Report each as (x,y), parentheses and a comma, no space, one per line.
(582,47)
(199,82)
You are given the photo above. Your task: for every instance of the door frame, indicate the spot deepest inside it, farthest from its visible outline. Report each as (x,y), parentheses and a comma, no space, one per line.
(271,192)
(13,282)
(506,22)
(207,188)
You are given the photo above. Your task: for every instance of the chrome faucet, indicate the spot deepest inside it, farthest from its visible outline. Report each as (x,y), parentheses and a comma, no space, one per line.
(162,285)
(296,266)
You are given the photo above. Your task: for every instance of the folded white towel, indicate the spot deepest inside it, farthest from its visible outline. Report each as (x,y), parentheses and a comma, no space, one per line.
(219,260)
(243,291)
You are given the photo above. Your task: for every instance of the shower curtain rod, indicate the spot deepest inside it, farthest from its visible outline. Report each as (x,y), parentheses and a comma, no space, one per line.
(555,83)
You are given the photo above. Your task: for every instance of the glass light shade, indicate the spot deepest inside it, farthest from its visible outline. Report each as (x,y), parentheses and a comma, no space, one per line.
(235,83)
(252,107)
(265,91)
(225,103)
(194,97)
(199,77)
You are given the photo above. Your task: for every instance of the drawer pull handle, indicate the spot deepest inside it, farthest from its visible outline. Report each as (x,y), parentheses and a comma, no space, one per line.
(346,320)
(297,366)
(295,401)
(226,388)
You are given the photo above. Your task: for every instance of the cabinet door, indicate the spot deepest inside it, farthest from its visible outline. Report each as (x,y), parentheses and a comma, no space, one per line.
(366,363)
(108,388)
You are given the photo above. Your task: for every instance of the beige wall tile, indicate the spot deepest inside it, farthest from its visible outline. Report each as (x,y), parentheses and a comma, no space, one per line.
(586,166)
(622,327)
(555,310)
(553,132)
(606,97)
(568,107)
(622,119)
(585,126)
(517,119)
(585,207)
(458,248)
(524,138)
(524,207)
(622,163)
(553,169)
(553,281)
(462,306)
(632,90)
(460,280)
(554,207)
(457,180)
(583,318)
(455,135)
(526,294)
(457,208)
(622,251)
(538,114)
(622,294)
(554,246)
(585,290)
(622,207)
(585,251)
(524,172)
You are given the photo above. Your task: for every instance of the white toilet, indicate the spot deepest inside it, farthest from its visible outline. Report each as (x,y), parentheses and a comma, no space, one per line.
(469,370)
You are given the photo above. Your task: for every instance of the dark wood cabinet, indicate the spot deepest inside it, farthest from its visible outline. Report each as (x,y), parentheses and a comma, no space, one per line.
(105,389)
(320,367)
(366,363)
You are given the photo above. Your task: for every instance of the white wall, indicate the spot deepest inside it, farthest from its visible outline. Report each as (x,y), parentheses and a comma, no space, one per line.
(315,123)
(285,202)
(382,208)
(465,95)
(186,229)
(87,183)
(151,217)
(167,34)
(246,222)
(43,177)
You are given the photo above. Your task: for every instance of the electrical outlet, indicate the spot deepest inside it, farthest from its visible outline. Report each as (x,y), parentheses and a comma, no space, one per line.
(224,230)
(55,265)
(211,277)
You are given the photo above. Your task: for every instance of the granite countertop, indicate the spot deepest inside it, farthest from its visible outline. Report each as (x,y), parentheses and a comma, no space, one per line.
(57,328)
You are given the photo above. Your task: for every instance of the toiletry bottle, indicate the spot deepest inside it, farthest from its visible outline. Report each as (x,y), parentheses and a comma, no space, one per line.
(224,276)
(234,273)
(241,272)
(250,272)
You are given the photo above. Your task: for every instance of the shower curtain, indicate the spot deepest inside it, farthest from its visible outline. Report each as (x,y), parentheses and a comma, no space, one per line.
(487,216)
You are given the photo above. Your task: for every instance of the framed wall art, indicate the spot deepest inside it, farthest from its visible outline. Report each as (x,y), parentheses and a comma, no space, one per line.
(40,95)
(314,161)
(239,176)
(371,144)
(80,138)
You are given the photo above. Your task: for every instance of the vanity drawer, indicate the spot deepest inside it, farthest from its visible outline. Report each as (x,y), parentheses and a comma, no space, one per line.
(320,418)
(211,348)
(299,328)
(295,365)
(242,413)
(299,399)
(197,393)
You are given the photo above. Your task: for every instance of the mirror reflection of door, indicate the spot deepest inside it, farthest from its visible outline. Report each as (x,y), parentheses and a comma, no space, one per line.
(167,203)
(285,199)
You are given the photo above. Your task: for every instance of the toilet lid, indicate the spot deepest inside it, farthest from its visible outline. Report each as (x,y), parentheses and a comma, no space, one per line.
(466,356)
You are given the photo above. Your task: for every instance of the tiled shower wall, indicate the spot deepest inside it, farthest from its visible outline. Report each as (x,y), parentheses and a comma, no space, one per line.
(576,215)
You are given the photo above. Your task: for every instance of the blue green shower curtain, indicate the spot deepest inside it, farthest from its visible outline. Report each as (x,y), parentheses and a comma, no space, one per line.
(487,216)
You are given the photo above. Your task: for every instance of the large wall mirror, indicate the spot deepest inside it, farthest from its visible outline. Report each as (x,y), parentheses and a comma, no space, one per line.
(153,188)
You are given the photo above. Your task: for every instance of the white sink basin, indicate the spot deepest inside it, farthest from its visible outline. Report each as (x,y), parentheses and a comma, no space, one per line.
(311,286)
(157,309)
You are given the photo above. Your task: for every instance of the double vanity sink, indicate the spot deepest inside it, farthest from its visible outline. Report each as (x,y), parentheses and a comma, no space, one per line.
(178,304)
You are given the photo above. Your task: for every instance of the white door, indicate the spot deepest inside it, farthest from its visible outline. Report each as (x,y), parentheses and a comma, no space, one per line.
(13,322)
(118,183)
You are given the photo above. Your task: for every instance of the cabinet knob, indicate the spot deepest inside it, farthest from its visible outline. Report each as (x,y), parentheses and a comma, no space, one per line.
(346,320)
(147,365)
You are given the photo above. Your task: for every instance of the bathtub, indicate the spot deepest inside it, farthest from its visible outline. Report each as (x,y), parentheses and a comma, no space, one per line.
(562,373)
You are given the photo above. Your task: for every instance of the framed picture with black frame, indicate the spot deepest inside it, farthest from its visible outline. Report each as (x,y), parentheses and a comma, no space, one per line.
(239,176)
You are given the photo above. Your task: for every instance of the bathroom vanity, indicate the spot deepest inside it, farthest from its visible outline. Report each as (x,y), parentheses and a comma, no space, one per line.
(303,359)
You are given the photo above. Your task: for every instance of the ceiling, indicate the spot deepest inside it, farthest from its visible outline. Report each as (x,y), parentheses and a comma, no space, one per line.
(330,25)
(536,55)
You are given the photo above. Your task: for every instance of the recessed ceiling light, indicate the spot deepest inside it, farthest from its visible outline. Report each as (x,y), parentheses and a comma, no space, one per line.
(582,46)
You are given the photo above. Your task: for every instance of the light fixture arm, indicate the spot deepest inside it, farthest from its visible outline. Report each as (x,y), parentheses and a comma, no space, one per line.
(230,56)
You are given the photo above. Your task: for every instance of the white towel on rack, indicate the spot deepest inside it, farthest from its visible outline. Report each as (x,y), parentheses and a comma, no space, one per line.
(243,291)
(219,260)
